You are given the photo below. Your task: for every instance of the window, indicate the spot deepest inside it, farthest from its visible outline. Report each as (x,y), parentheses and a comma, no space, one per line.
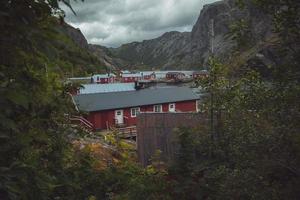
(172,107)
(157,108)
(135,111)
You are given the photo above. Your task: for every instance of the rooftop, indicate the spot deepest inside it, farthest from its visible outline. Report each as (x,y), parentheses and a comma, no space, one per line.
(104,88)
(125,99)
(103,75)
(132,75)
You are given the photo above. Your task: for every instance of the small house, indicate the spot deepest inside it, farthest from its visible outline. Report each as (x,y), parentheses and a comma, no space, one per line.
(130,78)
(104,88)
(148,75)
(103,78)
(200,74)
(120,109)
(175,76)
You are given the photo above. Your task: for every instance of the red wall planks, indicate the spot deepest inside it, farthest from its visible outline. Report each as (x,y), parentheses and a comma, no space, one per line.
(106,119)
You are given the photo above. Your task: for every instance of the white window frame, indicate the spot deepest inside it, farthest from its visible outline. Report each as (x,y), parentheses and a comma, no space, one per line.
(157,106)
(134,111)
(174,107)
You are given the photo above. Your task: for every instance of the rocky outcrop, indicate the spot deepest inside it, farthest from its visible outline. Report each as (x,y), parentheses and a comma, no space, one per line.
(76,35)
(152,53)
(105,56)
(224,14)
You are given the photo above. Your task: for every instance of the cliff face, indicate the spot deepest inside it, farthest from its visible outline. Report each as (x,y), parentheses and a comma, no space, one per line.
(104,54)
(155,52)
(224,14)
(76,35)
(190,50)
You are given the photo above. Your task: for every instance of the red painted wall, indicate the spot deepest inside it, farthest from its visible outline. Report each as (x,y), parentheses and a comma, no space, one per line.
(102,119)
(176,75)
(130,79)
(198,75)
(149,77)
(106,80)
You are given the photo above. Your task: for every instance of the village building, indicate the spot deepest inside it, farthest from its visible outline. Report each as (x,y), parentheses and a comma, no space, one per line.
(125,72)
(103,78)
(129,78)
(83,80)
(104,88)
(120,109)
(200,74)
(159,75)
(175,76)
(148,75)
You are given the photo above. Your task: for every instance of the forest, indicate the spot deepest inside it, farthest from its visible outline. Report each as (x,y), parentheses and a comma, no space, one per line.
(251,150)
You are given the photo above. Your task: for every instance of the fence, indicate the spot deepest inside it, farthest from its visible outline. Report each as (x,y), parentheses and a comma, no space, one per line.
(155,131)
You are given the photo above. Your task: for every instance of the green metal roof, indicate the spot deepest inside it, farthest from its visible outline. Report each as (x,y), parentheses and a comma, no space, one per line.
(149,96)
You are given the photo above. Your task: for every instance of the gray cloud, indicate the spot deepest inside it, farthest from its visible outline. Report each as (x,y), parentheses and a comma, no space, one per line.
(115,22)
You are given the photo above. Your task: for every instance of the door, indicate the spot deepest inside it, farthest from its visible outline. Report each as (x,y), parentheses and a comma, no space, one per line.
(172,107)
(119,117)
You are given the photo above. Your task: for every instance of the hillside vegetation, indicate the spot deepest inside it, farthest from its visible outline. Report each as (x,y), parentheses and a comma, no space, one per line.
(65,54)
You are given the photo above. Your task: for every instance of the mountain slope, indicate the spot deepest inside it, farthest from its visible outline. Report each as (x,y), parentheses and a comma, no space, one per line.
(153,53)
(66,50)
(190,50)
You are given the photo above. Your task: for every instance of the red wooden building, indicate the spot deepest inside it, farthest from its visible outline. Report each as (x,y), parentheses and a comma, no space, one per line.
(119,109)
(103,78)
(148,75)
(175,76)
(200,74)
(130,78)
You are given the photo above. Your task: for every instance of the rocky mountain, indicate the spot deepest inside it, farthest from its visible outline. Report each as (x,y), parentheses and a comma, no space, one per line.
(190,50)
(105,56)
(153,53)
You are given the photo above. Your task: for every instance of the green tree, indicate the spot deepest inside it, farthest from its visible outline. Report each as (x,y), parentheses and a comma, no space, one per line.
(254,151)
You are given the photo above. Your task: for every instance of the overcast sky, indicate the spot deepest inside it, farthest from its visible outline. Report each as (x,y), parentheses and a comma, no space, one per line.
(115,22)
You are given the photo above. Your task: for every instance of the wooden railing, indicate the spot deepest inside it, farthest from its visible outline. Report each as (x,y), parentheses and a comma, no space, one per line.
(82,121)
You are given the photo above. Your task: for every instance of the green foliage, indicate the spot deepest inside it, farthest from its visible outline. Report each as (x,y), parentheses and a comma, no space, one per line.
(254,150)
(239,31)
(37,160)
(240,4)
